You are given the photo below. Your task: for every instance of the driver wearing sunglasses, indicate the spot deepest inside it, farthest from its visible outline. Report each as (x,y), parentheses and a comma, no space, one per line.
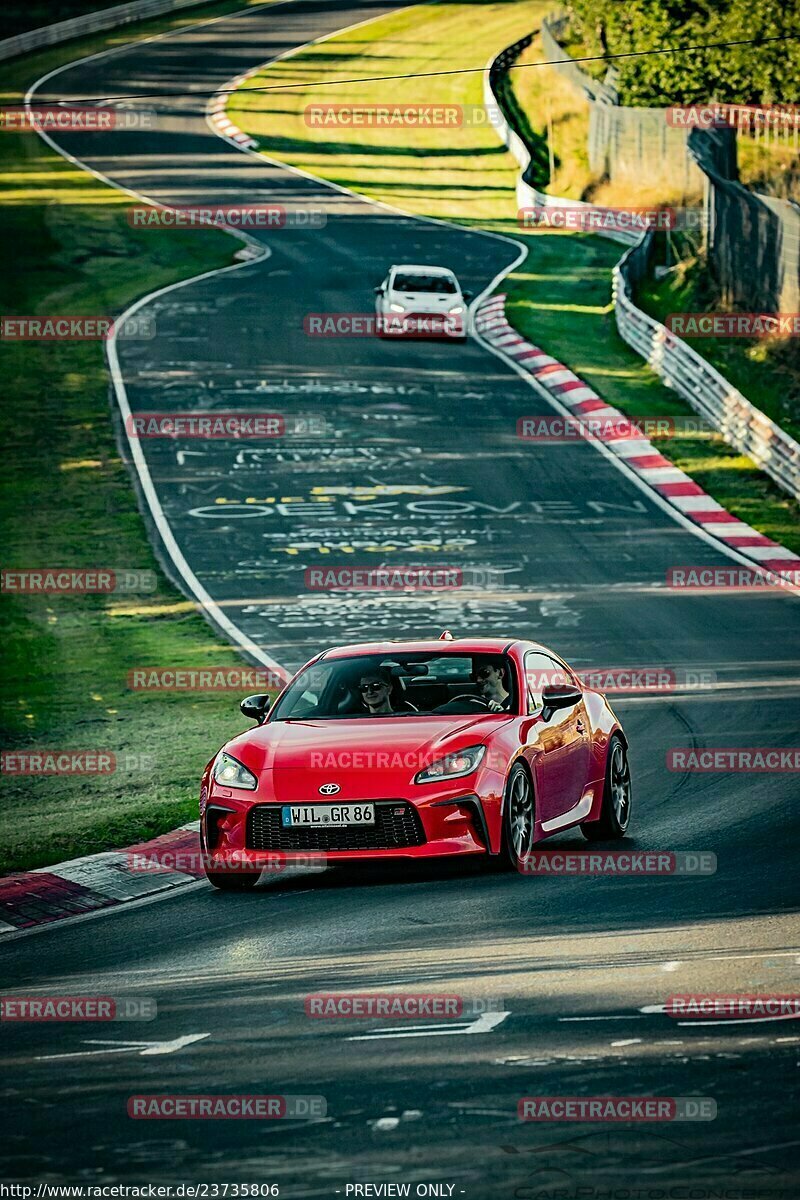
(375,688)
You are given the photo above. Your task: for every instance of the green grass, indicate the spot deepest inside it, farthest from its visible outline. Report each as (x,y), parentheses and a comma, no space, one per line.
(560,297)
(766,370)
(570,315)
(462,173)
(67,500)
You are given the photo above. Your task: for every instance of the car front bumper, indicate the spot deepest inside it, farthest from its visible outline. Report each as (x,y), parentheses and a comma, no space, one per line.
(249,834)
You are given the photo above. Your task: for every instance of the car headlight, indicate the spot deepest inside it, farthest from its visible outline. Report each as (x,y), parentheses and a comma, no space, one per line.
(229,772)
(452,766)
(454,312)
(397,307)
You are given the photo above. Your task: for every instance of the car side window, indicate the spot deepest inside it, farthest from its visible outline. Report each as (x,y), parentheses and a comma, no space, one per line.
(542,671)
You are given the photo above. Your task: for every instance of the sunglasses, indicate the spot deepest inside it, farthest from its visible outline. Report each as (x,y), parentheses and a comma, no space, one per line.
(484,673)
(371,687)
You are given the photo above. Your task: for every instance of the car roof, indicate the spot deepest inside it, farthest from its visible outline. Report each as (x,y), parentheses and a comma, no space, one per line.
(473,645)
(423,268)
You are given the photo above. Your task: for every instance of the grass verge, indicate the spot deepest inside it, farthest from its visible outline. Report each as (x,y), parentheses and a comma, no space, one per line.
(66,500)
(560,297)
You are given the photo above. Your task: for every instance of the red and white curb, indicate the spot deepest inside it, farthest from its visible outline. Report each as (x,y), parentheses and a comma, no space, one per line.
(667,480)
(32,898)
(219,118)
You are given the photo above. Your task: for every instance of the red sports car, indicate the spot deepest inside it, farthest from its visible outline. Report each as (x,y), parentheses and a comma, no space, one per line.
(414,750)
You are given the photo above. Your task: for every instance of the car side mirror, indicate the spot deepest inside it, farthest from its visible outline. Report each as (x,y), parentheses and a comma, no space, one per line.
(468,295)
(255,707)
(378,290)
(560,695)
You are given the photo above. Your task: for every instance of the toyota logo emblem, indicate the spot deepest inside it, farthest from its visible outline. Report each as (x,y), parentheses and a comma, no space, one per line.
(329,789)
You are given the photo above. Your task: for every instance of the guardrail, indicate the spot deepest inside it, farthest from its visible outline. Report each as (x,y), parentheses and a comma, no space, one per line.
(528,196)
(93,22)
(708,393)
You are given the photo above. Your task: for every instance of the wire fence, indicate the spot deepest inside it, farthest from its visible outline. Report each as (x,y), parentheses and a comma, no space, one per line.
(753,240)
(625,144)
(707,392)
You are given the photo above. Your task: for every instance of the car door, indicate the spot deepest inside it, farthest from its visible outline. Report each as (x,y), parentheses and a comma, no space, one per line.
(558,748)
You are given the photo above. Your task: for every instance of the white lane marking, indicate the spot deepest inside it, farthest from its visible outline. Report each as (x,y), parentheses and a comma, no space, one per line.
(484,1024)
(697,1021)
(628,1042)
(144,1048)
(231,87)
(204,600)
(671,966)
(630,1017)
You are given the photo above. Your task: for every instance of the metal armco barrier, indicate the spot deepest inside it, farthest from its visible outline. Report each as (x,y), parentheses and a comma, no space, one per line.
(710,394)
(713,397)
(93,22)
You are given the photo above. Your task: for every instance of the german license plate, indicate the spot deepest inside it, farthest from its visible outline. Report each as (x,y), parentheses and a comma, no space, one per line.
(328,814)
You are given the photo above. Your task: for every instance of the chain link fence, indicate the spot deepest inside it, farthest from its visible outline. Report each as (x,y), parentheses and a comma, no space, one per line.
(625,144)
(707,392)
(753,240)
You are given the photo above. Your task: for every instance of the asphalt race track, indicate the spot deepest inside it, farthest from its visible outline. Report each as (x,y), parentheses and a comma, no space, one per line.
(419,462)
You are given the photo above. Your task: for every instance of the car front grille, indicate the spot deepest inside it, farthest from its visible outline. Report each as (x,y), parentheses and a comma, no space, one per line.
(397,825)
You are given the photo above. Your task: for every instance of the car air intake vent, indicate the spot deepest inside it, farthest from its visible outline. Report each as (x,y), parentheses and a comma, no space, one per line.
(397,824)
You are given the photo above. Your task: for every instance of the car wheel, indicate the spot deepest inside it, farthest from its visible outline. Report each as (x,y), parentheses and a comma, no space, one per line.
(518,818)
(233,881)
(615,813)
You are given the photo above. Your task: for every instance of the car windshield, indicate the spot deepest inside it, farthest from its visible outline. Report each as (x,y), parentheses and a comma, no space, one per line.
(400,685)
(425,283)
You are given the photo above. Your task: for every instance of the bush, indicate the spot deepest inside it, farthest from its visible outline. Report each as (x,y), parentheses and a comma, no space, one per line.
(742,74)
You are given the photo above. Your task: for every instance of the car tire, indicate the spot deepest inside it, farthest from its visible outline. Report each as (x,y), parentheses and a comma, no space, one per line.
(519,813)
(233,881)
(615,812)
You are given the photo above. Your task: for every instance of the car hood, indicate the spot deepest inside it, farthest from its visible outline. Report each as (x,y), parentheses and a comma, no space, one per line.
(332,749)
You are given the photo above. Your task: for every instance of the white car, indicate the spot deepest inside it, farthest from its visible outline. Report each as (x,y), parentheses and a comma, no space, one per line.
(421,301)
